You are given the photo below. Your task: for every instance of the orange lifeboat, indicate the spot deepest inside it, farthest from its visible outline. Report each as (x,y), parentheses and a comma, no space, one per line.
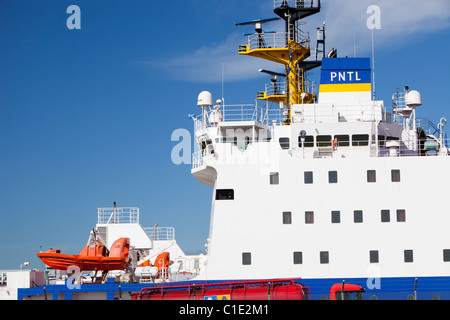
(92,258)
(162,262)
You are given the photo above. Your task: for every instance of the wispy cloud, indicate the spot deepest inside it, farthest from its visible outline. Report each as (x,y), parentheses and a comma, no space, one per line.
(207,63)
(401,21)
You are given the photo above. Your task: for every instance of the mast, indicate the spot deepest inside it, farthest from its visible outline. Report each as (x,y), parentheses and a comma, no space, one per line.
(290,49)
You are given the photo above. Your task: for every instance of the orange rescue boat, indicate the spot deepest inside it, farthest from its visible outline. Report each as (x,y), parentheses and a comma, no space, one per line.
(93,257)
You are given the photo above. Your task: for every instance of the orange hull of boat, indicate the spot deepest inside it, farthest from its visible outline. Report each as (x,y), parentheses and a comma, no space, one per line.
(63,261)
(91,258)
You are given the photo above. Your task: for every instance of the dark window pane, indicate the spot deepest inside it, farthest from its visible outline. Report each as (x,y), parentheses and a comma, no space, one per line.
(309,217)
(358,216)
(374,256)
(371,176)
(395,175)
(332,177)
(324,257)
(309,142)
(360,140)
(246,258)
(284,143)
(298,257)
(323,141)
(287,218)
(308,177)
(342,140)
(224,194)
(446,253)
(274,178)
(335,216)
(408,256)
(401,215)
(385,216)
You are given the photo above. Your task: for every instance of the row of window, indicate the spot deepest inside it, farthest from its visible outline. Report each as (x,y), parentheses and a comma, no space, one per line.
(336,216)
(324,257)
(274,179)
(339,140)
(333,176)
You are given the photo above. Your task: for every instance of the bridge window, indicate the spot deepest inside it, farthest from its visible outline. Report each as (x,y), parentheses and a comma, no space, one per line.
(342,140)
(360,140)
(323,141)
(309,142)
(224,194)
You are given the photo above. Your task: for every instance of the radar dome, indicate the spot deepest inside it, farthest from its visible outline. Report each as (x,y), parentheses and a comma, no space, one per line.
(205,99)
(413,99)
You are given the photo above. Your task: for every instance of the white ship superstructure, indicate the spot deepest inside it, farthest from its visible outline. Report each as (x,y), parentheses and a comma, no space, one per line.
(330,185)
(322,184)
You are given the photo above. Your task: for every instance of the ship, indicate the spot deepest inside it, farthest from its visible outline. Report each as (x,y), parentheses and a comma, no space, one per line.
(320,188)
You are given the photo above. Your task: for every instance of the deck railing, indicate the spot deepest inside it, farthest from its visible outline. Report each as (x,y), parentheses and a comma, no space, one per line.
(118,215)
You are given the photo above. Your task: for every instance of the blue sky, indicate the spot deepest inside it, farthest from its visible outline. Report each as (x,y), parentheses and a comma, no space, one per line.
(86,116)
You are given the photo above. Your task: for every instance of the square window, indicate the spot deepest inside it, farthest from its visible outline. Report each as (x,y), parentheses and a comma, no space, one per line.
(332,177)
(324,257)
(308,143)
(360,140)
(308,177)
(335,217)
(401,215)
(395,175)
(408,255)
(374,256)
(323,141)
(385,216)
(298,257)
(358,216)
(284,143)
(371,176)
(342,140)
(446,254)
(224,194)
(274,178)
(287,217)
(309,217)
(246,258)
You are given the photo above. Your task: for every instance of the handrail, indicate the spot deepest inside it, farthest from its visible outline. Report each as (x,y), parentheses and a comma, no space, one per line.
(276,40)
(297,3)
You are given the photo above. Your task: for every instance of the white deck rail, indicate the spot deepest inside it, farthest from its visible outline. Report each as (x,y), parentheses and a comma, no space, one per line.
(118,215)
